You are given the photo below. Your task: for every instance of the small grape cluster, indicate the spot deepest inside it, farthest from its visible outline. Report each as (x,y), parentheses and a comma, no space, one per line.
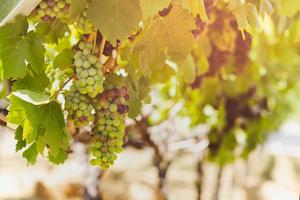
(78,107)
(83,23)
(48,10)
(88,70)
(111,111)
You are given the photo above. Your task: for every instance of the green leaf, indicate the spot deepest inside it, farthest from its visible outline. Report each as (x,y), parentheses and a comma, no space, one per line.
(115,19)
(162,39)
(162,75)
(18,47)
(1,71)
(21,143)
(35,52)
(40,145)
(32,97)
(15,29)
(64,59)
(33,82)
(60,158)
(134,103)
(77,6)
(152,7)
(52,32)
(31,154)
(12,51)
(188,70)
(45,120)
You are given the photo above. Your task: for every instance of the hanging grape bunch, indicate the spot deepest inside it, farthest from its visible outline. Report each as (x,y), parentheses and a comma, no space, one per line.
(83,23)
(111,111)
(79,108)
(48,10)
(88,69)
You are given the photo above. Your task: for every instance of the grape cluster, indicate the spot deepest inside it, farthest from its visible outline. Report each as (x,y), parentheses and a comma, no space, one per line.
(48,10)
(79,108)
(83,23)
(111,111)
(88,70)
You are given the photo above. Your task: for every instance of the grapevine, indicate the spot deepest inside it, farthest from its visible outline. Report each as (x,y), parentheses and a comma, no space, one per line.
(172,48)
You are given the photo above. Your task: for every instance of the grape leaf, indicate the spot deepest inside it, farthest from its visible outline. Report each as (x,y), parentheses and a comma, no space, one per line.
(77,6)
(162,75)
(21,143)
(18,47)
(45,120)
(164,37)
(35,52)
(188,70)
(31,154)
(115,19)
(32,97)
(152,7)
(265,7)
(196,7)
(52,32)
(1,71)
(134,103)
(32,81)
(289,7)
(246,15)
(60,158)
(64,59)
(12,53)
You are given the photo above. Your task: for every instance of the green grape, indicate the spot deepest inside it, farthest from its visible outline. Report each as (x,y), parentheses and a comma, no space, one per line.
(89,75)
(83,23)
(49,10)
(78,107)
(109,126)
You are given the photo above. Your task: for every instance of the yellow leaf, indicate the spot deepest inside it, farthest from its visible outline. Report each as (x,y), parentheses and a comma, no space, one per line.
(152,7)
(197,7)
(168,37)
(115,19)
(27,129)
(252,15)
(188,70)
(266,7)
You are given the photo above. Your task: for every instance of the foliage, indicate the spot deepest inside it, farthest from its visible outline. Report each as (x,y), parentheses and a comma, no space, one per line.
(223,60)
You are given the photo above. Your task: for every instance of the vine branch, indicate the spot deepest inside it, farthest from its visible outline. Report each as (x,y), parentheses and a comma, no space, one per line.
(62,87)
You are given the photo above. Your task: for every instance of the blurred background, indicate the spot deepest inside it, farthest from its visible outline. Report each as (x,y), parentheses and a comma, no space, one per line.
(271,172)
(233,133)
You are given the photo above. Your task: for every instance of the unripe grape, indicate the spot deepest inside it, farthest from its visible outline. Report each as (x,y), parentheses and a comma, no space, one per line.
(78,107)
(90,79)
(83,23)
(109,126)
(49,10)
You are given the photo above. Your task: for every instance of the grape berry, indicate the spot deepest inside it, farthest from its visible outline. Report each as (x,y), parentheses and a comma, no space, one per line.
(48,10)
(83,23)
(79,108)
(111,112)
(88,69)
